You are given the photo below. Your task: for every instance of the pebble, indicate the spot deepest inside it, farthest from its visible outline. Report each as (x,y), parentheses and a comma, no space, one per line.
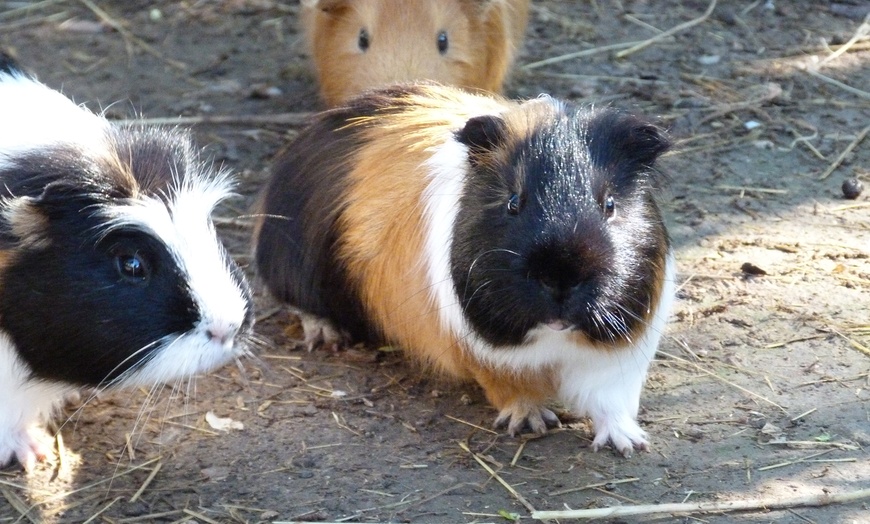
(852,188)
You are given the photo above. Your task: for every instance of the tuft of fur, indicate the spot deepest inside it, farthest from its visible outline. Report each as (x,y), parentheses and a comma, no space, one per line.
(111,273)
(518,244)
(358,45)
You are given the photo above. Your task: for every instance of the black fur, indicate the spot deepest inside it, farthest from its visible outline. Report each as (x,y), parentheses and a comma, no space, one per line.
(559,257)
(8,64)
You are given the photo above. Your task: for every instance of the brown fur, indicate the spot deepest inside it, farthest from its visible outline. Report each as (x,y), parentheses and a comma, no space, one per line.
(484,38)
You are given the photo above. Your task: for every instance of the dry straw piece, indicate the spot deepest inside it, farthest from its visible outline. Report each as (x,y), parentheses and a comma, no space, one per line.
(822,499)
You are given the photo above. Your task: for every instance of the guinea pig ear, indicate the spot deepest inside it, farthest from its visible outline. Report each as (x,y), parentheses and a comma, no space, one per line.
(482,134)
(642,141)
(22,224)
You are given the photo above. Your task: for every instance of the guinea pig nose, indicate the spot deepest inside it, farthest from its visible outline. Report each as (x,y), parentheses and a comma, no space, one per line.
(559,285)
(222,334)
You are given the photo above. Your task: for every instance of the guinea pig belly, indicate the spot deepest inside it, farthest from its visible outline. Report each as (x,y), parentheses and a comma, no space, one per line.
(25,406)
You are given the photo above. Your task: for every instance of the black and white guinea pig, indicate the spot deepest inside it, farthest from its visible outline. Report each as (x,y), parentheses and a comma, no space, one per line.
(515,243)
(110,270)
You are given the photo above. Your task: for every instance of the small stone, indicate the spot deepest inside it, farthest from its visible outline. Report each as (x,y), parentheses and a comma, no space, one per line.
(852,188)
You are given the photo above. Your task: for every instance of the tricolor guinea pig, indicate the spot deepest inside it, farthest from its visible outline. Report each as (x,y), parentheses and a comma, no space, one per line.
(110,270)
(515,243)
(361,44)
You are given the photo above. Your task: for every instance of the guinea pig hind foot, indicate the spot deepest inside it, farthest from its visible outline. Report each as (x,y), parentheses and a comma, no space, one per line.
(522,416)
(319,332)
(28,445)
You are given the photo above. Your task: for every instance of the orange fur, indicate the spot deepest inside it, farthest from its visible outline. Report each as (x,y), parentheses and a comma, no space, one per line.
(484,38)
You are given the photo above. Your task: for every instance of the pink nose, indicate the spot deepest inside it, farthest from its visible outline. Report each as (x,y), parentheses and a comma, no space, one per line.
(221,333)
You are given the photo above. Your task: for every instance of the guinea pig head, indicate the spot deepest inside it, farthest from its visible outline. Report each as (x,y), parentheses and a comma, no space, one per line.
(362,44)
(111,272)
(557,226)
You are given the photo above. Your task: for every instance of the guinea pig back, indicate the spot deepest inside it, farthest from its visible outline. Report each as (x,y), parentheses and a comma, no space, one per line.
(518,244)
(361,44)
(110,269)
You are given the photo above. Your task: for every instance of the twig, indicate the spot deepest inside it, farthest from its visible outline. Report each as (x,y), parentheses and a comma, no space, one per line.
(475,426)
(795,461)
(714,375)
(822,499)
(18,505)
(845,152)
(596,485)
(579,54)
(145,484)
(114,24)
(102,510)
(753,189)
(290,119)
(804,444)
(669,32)
(500,480)
(860,33)
(837,83)
(200,516)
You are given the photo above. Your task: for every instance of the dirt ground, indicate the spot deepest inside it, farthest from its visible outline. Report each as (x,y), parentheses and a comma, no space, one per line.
(761,387)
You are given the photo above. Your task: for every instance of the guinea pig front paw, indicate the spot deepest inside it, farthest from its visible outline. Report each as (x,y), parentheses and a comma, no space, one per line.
(523,417)
(27,445)
(622,433)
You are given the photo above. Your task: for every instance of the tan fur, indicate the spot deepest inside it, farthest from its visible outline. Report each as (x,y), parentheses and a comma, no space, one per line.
(484,38)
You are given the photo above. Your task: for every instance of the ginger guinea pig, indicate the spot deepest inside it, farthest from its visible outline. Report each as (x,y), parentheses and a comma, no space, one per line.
(515,243)
(361,44)
(110,271)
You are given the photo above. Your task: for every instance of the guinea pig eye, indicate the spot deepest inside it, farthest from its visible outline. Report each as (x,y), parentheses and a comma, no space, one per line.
(513,204)
(609,207)
(363,41)
(443,43)
(132,267)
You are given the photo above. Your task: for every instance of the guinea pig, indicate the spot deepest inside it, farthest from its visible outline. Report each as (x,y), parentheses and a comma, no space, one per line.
(111,273)
(361,44)
(518,244)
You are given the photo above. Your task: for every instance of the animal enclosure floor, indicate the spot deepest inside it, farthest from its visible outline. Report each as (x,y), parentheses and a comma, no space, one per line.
(761,389)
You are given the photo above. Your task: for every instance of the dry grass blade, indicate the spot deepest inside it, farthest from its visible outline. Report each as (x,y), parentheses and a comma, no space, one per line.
(766,504)
(726,381)
(130,37)
(579,54)
(288,119)
(102,510)
(852,145)
(147,481)
(837,83)
(669,32)
(522,500)
(18,505)
(595,485)
(860,33)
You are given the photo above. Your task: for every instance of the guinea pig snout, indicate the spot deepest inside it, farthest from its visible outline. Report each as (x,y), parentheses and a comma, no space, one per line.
(221,333)
(562,272)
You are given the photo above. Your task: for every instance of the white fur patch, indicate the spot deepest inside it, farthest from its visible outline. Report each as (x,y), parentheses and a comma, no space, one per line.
(36,116)
(26,405)
(447,169)
(185,228)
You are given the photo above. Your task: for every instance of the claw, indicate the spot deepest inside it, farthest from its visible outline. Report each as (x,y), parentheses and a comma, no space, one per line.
(520,417)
